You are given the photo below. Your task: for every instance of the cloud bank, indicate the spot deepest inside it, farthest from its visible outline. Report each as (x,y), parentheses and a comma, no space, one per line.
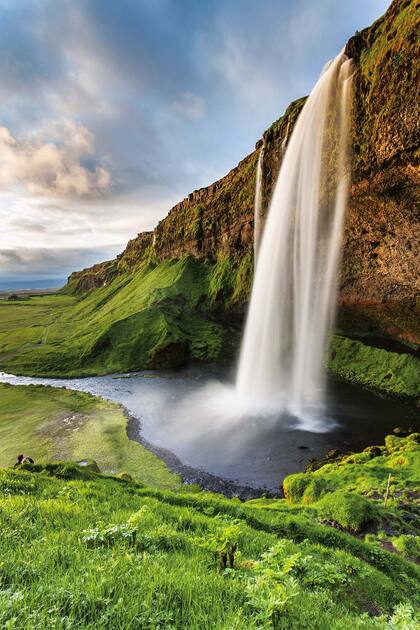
(53,167)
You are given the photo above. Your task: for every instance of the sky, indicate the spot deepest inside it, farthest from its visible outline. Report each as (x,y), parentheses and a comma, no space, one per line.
(113,111)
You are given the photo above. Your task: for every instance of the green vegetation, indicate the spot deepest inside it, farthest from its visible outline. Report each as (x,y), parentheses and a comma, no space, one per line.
(98,552)
(50,423)
(87,551)
(155,317)
(373,368)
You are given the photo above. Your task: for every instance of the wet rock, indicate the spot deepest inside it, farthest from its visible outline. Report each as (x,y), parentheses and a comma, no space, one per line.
(89,464)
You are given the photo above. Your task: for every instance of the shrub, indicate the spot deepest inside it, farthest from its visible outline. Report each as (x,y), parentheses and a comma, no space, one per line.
(350,511)
(109,535)
(223,543)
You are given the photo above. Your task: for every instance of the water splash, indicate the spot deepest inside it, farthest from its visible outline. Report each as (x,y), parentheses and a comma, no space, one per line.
(294,293)
(258,209)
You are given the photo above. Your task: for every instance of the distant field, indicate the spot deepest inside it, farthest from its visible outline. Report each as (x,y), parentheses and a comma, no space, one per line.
(22,293)
(57,424)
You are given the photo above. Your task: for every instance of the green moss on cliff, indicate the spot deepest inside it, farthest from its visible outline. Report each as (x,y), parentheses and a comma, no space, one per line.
(386,86)
(374,368)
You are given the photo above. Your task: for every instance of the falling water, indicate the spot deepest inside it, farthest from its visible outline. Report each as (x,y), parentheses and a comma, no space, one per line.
(258,216)
(294,294)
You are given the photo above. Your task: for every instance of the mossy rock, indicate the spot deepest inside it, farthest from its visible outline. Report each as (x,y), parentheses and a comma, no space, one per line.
(373,451)
(89,464)
(295,485)
(350,511)
(393,443)
(125,476)
(317,488)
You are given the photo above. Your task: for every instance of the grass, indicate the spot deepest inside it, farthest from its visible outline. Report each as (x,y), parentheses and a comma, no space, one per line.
(57,424)
(152,318)
(374,368)
(97,552)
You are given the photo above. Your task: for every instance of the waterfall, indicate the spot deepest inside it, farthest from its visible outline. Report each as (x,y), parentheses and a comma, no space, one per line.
(258,217)
(293,298)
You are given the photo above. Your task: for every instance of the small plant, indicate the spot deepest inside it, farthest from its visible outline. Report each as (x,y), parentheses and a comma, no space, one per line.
(223,544)
(273,586)
(408,546)
(108,536)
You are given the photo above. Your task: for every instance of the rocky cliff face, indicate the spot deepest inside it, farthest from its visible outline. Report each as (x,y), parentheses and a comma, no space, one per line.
(380,269)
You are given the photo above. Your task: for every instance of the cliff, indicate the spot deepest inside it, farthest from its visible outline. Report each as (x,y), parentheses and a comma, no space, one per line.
(179,292)
(380,280)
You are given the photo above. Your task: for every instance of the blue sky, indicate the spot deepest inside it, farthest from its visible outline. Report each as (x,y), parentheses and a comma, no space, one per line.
(112,111)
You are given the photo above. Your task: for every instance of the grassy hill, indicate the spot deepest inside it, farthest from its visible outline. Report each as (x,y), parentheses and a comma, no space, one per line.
(151,318)
(80,550)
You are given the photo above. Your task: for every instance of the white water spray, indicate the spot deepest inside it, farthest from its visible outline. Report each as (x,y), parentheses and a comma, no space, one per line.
(258,209)
(294,293)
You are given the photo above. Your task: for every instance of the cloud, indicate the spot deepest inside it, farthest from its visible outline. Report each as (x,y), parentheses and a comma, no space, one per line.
(190,105)
(176,91)
(52,167)
(48,261)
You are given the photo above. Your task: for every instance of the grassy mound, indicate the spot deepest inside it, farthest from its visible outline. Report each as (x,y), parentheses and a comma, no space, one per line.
(374,368)
(97,552)
(50,423)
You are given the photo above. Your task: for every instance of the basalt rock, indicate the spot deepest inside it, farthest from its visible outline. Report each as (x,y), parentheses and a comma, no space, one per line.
(380,280)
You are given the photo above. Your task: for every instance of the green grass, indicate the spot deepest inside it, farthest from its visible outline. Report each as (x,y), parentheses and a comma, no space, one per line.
(154,317)
(98,553)
(83,550)
(57,424)
(163,315)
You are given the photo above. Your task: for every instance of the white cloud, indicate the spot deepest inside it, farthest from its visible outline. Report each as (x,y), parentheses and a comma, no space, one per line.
(53,162)
(190,105)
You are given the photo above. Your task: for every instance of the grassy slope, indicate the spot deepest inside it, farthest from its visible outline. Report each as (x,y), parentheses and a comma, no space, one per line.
(374,368)
(151,318)
(50,423)
(100,553)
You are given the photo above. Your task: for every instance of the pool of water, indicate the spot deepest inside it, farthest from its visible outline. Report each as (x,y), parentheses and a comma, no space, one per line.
(193,413)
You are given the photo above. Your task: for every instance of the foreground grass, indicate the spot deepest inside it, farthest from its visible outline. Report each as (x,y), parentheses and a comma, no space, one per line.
(51,423)
(79,550)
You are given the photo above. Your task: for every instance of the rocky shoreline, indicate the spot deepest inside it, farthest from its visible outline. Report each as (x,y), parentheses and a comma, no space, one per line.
(190,475)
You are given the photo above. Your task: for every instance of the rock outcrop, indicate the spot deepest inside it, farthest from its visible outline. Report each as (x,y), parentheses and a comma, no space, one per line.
(380,268)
